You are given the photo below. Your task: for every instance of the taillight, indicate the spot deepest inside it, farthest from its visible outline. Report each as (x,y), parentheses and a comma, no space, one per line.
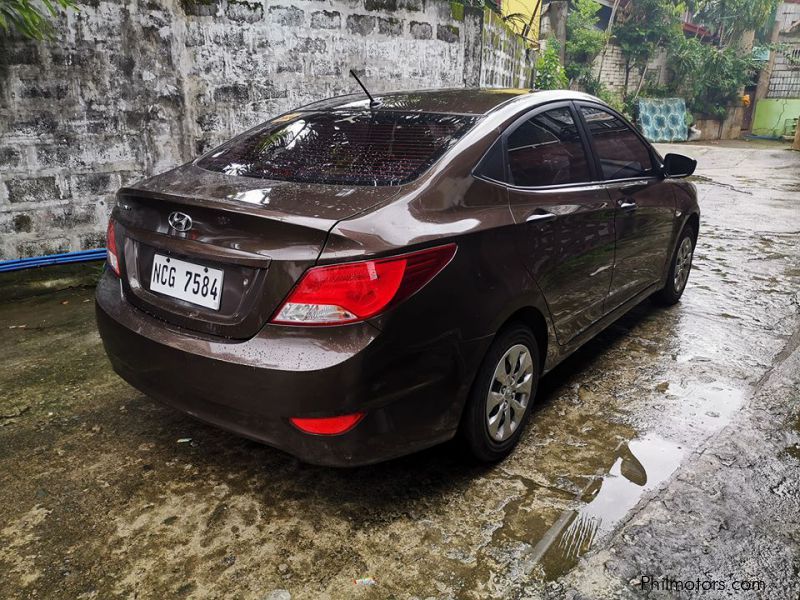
(348,292)
(111,248)
(328,425)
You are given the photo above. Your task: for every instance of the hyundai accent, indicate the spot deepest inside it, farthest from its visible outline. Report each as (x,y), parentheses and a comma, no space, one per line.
(360,279)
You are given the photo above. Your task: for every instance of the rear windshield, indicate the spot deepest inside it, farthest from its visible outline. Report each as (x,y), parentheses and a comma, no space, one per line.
(356,148)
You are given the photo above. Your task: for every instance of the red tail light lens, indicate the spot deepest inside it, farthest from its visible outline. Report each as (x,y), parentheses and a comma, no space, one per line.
(348,292)
(111,248)
(328,425)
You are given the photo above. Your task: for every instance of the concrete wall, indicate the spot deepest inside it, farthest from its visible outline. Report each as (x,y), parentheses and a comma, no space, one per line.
(772,114)
(729,128)
(134,88)
(504,60)
(610,66)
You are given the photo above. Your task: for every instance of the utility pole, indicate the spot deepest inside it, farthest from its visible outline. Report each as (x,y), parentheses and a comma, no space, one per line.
(558,25)
(766,72)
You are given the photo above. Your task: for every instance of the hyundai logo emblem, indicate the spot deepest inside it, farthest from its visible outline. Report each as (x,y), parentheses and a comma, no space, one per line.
(180,221)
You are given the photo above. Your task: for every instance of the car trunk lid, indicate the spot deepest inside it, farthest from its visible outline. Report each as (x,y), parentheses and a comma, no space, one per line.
(262,234)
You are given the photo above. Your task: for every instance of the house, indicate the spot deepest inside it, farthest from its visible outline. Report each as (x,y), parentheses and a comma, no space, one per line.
(522,16)
(777,97)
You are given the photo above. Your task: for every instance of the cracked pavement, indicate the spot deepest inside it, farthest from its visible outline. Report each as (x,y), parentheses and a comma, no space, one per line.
(667,447)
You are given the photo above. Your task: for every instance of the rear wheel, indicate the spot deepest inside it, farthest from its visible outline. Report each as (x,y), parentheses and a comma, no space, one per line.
(502,394)
(679,269)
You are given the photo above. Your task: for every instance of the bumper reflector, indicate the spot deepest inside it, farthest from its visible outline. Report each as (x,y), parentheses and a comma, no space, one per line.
(328,425)
(112,256)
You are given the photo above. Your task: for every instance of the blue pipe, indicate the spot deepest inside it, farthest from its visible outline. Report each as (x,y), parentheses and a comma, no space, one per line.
(19,264)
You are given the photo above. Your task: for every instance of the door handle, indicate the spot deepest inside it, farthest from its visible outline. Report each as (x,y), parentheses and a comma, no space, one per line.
(626,204)
(540,217)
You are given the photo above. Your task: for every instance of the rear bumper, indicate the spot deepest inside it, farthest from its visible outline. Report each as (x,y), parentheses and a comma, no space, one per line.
(413,395)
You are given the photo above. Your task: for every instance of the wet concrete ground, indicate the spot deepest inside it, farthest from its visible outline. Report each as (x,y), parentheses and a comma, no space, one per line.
(667,447)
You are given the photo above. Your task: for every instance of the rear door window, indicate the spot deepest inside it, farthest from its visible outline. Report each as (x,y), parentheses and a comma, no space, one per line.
(622,154)
(547,149)
(345,147)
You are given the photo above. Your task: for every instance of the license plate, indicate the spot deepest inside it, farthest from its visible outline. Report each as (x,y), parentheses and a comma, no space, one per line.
(180,279)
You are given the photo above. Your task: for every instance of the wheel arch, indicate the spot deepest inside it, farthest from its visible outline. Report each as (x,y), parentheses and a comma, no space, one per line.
(693,221)
(533,319)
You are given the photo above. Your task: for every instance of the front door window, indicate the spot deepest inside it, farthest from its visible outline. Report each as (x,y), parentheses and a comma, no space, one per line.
(621,152)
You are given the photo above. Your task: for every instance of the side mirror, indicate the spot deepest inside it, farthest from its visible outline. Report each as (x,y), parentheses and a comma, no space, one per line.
(678,165)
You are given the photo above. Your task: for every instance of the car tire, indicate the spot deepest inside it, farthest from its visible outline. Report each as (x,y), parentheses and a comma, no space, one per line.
(493,420)
(679,268)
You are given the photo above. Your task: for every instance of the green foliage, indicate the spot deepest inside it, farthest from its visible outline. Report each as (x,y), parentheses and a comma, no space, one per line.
(787,51)
(584,40)
(644,25)
(31,18)
(593,86)
(655,90)
(615,101)
(709,78)
(729,19)
(549,72)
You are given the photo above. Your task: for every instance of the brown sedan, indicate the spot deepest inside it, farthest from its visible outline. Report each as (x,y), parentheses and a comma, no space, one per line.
(353,281)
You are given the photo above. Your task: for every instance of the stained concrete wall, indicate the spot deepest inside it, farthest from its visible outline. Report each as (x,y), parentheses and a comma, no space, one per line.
(503,60)
(773,116)
(130,89)
(610,67)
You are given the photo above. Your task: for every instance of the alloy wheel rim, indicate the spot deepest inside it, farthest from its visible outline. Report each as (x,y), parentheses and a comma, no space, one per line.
(509,392)
(683,263)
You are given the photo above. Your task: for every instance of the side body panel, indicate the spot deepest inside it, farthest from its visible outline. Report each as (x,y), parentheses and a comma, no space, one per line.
(643,235)
(644,201)
(571,255)
(564,222)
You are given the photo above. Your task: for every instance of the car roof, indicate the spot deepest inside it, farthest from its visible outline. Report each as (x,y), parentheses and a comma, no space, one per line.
(466,101)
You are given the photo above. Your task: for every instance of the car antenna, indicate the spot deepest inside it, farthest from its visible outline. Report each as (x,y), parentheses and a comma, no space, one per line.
(372,102)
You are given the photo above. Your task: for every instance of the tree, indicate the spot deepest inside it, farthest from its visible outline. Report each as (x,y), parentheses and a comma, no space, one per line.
(584,40)
(642,27)
(730,19)
(31,18)
(549,72)
(712,76)
(708,77)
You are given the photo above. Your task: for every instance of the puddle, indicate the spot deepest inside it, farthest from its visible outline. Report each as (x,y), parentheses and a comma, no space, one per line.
(641,465)
(711,406)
